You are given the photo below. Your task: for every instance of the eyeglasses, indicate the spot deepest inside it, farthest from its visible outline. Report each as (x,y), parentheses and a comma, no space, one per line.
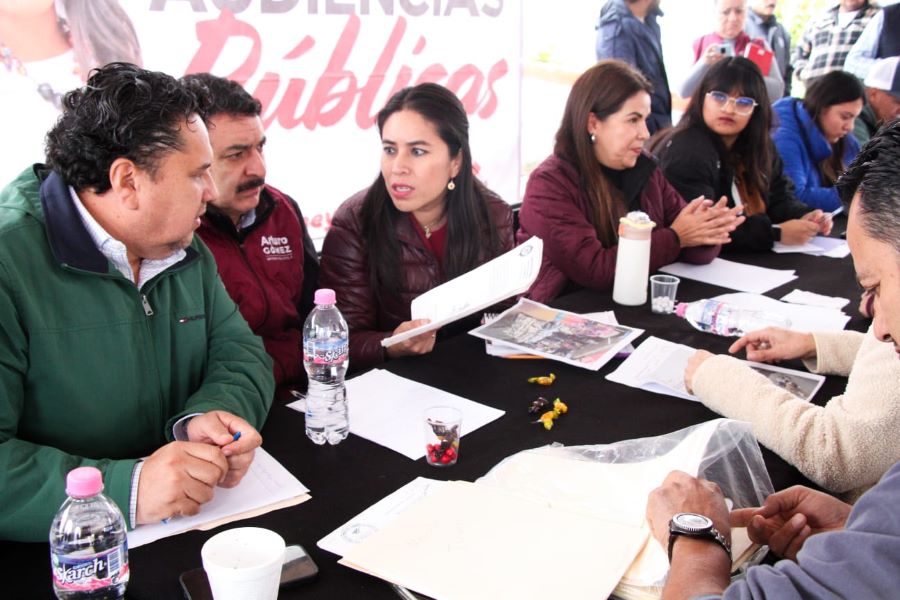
(742,104)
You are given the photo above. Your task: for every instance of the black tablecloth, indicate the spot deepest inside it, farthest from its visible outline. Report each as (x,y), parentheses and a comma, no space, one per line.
(346,479)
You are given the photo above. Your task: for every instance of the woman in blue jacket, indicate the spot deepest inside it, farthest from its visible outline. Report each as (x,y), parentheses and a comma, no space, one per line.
(812,136)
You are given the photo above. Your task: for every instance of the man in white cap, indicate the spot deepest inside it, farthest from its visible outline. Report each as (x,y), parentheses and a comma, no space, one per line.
(882,98)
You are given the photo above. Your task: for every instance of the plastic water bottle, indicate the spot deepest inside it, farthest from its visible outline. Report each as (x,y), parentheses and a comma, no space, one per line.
(325,358)
(88,544)
(632,259)
(720,318)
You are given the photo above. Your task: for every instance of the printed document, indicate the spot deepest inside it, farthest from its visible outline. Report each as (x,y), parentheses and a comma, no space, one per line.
(507,275)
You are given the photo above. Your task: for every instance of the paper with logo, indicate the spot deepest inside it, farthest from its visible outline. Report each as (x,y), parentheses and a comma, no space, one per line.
(507,275)
(532,328)
(466,541)
(267,486)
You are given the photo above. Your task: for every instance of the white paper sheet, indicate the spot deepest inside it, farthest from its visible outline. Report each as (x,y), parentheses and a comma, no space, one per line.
(803,318)
(813,299)
(733,275)
(658,365)
(387,409)
(378,515)
(266,483)
(507,275)
(818,246)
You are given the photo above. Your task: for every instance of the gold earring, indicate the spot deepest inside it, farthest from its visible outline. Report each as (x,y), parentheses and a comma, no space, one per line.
(451,186)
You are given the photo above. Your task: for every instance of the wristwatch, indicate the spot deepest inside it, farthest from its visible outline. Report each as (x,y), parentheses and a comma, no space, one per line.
(695,526)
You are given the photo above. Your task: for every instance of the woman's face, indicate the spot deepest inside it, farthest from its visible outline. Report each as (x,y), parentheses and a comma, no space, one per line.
(620,137)
(416,163)
(730,16)
(723,119)
(836,121)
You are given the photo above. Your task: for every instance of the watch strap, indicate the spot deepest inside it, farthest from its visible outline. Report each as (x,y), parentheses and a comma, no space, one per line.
(713,535)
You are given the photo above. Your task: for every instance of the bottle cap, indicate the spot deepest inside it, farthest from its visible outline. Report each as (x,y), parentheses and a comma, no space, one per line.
(324,296)
(681,308)
(84,482)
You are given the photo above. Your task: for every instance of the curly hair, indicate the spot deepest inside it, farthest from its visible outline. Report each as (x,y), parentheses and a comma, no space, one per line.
(122,112)
(226,97)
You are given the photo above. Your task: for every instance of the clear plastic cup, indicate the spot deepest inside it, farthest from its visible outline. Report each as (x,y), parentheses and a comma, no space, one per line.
(663,289)
(244,563)
(443,427)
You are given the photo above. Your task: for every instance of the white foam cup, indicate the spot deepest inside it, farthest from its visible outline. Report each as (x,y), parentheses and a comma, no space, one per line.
(244,563)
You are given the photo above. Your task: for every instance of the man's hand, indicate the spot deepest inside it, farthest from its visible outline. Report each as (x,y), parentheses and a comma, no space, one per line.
(694,362)
(773,344)
(682,493)
(217,428)
(789,517)
(176,479)
(421,344)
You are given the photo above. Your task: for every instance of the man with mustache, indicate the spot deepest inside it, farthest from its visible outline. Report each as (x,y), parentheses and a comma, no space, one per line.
(762,23)
(118,339)
(257,233)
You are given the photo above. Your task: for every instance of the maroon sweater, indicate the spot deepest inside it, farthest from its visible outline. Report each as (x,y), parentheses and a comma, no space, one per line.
(557,210)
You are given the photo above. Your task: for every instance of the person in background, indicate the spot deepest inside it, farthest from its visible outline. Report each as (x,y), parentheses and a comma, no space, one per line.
(265,257)
(425,220)
(722,147)
(762,23)
(882,98)
(833,550)
(628,30)
(729,39)
(597,173)
(812,138)
(119,340)
(827,40)
(48,47)
(878,40)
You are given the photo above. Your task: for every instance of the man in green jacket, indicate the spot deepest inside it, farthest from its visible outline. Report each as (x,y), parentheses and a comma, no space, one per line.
(118,340)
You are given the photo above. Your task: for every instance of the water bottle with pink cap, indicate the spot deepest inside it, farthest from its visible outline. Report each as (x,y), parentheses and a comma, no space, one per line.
(88,541)
(325,358)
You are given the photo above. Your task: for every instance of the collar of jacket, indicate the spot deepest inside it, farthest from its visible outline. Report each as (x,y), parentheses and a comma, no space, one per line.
(635,179)
(792,111)
(70,241)
(216,218)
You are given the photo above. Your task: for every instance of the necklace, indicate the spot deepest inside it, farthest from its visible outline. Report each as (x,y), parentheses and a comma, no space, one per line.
(13,64)
(428,228)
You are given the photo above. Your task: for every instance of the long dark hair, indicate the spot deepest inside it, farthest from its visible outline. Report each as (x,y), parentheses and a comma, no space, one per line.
(601,90)
(468,215)
(822,92)
(753,148)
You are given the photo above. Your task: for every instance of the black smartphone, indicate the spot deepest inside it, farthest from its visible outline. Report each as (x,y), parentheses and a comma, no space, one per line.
(298,566)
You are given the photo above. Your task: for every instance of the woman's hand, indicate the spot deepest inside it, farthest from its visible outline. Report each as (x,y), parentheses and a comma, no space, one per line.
(712,55)
(798,231)
(773,344)
(821,219)
(421,344)
(702,223)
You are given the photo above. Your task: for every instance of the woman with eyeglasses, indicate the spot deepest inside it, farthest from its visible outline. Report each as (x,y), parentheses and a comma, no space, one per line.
(812,136)
(597,173)
(728,39)
(721,147)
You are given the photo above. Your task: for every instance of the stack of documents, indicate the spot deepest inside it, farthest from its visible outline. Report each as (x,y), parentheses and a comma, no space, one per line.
(267,486)
(733,275)
(506,276)
(387,409)
(658,366)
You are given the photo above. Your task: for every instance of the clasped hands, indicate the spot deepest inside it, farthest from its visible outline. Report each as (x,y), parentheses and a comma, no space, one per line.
(703,222)
(181,476)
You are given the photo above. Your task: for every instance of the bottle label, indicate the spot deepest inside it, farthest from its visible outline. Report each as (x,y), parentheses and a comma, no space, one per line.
(90,572)
(326,352)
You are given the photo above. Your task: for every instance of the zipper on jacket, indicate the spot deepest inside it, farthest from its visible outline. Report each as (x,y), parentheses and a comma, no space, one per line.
(148,310)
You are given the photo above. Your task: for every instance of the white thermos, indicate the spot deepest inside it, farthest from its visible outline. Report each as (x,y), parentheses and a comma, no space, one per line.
(633,259)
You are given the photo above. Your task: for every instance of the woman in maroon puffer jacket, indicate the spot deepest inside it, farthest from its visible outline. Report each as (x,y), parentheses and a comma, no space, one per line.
(425,220)
(597,173)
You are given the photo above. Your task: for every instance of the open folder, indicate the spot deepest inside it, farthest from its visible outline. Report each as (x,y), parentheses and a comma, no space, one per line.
(507,275)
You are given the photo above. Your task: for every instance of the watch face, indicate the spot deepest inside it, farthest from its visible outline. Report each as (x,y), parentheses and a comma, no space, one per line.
(692,521)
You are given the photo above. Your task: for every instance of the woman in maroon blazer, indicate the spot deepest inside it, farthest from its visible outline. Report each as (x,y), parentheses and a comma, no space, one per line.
(597,173)
(425,220)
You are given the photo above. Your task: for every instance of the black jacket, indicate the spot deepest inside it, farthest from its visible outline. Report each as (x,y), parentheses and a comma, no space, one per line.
(693,161)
